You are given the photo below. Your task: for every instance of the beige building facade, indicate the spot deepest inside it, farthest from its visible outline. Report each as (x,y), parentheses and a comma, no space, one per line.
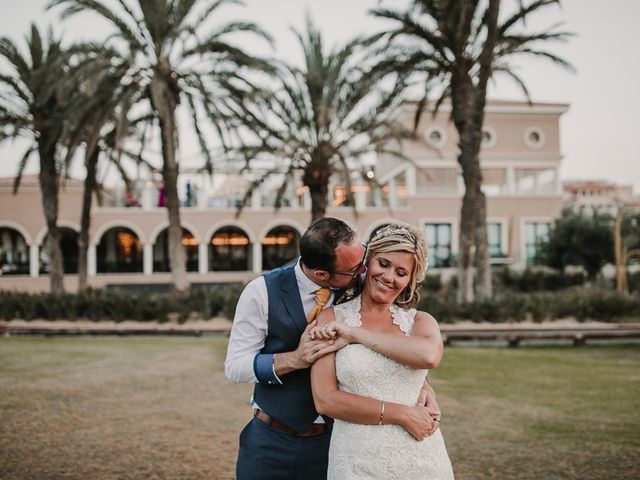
(520,159)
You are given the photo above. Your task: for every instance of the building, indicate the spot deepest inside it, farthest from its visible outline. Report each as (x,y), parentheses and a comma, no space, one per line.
(520,158)
(596,195)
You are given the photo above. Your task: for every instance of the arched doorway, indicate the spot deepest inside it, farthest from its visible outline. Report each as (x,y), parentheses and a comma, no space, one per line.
(14,252)
(119,251)
(230,250)
(279,246)
(69,247)
(161,251)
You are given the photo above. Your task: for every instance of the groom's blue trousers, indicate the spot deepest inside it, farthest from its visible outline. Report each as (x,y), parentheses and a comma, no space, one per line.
(269,454)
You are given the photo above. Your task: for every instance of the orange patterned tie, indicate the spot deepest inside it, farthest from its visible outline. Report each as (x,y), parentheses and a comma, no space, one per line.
(322,296)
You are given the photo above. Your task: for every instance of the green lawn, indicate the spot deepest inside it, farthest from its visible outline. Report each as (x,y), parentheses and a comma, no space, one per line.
(160,408)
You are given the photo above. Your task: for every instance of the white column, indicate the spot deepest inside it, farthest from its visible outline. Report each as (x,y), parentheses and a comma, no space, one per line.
(203,258)
(92,263)
(361,197)
(147,196)
(147,259)
(306,199)
(256,199)
(411,181)
(202,198)
(257,257)
(392,193)
(34,260)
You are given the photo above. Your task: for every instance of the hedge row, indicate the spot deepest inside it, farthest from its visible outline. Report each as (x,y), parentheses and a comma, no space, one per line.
(535,280)
(582,303)
(118,305)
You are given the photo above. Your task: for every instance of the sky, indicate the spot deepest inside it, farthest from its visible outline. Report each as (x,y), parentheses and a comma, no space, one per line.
(599,134)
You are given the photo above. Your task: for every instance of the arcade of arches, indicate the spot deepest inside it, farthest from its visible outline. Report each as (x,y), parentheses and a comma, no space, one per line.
(120,250)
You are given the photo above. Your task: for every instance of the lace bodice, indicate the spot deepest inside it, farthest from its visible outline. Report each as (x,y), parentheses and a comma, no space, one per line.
(362,371)
(381,451)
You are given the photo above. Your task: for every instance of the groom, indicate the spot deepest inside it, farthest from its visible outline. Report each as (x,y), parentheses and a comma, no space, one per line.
(269,345)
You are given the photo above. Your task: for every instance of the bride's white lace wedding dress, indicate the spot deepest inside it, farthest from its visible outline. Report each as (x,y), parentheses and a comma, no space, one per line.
(381,451)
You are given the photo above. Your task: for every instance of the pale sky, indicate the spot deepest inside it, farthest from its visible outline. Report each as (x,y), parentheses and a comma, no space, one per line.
(599,134)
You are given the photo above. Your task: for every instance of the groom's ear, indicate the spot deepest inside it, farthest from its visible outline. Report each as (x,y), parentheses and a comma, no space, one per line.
(321,276)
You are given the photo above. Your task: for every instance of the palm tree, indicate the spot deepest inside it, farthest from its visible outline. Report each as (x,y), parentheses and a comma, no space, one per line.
(37,97)
(460,44)
(101,125)
(324,118)
(174,58)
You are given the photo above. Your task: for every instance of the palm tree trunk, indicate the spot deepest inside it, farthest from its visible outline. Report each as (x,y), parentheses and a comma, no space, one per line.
(165,102)
(463,117)
(316,177)
(91,163)
(484,287)
(49,189)
(466,257)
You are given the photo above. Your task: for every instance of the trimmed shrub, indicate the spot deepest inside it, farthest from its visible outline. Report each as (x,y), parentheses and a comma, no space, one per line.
(582,303)
(536,280)
(119,305)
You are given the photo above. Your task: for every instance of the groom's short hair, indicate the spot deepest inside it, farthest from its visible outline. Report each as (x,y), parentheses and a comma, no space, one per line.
(318,244)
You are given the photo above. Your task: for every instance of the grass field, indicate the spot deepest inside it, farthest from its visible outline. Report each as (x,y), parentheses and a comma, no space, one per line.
(161,408)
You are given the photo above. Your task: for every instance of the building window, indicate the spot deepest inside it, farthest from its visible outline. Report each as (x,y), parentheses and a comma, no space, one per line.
(119,251)
(435,136)
(534,137)
(229,250)
(69,248)
(494,181)
(436,180)
(494,239)
(279,247)
(14,253)
(400,182)
(161,251)
(439,244)
(535,234)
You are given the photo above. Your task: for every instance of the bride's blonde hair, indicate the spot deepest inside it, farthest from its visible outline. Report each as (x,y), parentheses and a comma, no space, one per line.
(400,237)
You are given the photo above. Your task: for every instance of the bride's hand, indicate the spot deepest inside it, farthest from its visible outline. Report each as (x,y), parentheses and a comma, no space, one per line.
(419,422)
(334,331)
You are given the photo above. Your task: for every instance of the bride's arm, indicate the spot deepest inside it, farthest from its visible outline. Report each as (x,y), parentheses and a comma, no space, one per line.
(363,410)
(423,349)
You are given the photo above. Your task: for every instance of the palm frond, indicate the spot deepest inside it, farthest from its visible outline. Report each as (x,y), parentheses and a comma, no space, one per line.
(22,165)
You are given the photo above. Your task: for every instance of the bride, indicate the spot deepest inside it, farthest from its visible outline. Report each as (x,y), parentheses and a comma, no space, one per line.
(371,386)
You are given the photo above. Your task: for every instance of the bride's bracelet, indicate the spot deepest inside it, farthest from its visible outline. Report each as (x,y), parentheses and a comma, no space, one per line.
(381,412)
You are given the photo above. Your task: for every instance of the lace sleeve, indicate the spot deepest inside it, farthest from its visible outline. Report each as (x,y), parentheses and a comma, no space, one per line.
(403,318)
(349,313)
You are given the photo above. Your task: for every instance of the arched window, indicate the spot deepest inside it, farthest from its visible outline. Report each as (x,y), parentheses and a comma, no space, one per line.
(119,251)
(69,247)
(230,250)
(161,251)
(279,246)
(14,252)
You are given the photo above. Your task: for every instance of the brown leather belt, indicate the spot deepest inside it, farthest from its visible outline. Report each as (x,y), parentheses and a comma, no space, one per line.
(313,431)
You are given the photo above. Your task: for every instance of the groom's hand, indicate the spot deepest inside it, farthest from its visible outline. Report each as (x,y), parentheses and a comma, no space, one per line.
(428,398)
(310,348)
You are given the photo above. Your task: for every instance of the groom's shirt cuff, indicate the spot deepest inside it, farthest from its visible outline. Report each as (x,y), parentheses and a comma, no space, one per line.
(264,369)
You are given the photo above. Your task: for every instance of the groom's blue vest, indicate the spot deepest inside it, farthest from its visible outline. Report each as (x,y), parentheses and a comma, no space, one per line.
(292,402)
